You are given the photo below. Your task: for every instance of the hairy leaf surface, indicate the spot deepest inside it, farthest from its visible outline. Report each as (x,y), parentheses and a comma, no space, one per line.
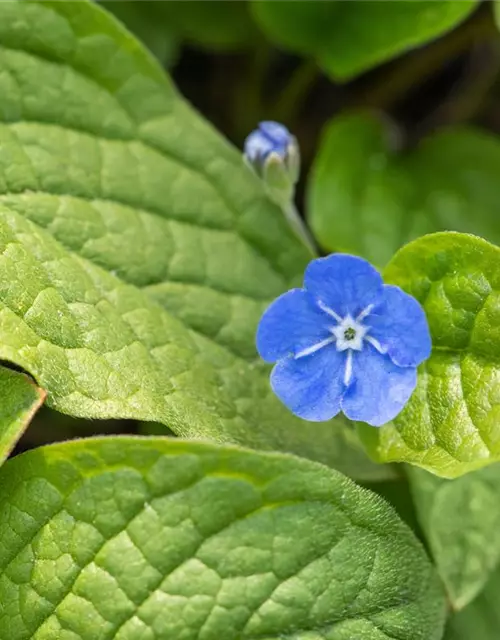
(20,399)
(130,538)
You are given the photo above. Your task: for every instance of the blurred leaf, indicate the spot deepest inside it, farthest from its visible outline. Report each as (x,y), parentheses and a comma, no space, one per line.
(21,398)
(137,539)
(347,38)
(461,521)
(215,24)
(481,619)
(364,198)
(450,424)
(496,11)
(142,18)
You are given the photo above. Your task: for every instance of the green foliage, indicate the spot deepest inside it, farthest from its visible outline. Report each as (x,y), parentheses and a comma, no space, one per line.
(133,538)
(344,38)
(20,400)
(461,521)
(137,254)
(347,38)
(481,619)
(367,198)
(449,425)
(138,251)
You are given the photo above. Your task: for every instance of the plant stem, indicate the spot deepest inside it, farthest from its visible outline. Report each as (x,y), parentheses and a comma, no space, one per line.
(299,226)
(291,99)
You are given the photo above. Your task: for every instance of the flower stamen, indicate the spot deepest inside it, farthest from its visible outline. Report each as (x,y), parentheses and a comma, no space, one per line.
(349,333)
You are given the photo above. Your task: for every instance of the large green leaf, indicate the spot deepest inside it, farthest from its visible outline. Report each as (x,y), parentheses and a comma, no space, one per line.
(366,198)
(481,619)
(137,250)
(20,399)
(347,38)
(451,424)
(126,538)
(461,521)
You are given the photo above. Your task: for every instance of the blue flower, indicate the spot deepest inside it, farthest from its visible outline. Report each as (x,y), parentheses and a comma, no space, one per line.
(344,342)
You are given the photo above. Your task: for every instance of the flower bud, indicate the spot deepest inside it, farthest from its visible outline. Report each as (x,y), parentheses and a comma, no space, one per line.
(273,152)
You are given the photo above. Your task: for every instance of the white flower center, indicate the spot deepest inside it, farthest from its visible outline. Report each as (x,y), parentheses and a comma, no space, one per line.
(348,335)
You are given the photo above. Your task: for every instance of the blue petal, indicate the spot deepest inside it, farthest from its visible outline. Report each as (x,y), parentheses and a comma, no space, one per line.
(257,146)
(379,389)
(344,283)
(291,324)
(400,326)
(276,132)
(311,387)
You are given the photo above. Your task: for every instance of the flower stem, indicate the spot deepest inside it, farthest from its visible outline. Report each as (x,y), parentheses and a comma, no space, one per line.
(299,227)
(291,99)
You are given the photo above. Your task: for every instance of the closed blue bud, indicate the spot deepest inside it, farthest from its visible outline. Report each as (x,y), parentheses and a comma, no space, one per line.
(344,342)
(274,154)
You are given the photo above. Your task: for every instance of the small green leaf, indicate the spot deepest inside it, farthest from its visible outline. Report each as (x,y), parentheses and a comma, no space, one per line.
(461,521)
(137,250)
(367,199)
(450,425)
(21,398)
(347,38)
(130,538)
(481,619)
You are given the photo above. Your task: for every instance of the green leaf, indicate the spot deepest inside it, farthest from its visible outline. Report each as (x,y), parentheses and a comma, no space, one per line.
(134,538)
(496,12)
(396,491)
(347,38)
(461,521)
(481,619)
(21,398)
(218,24)
(365,198)
(144,20)
(450,424)
(137,251)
